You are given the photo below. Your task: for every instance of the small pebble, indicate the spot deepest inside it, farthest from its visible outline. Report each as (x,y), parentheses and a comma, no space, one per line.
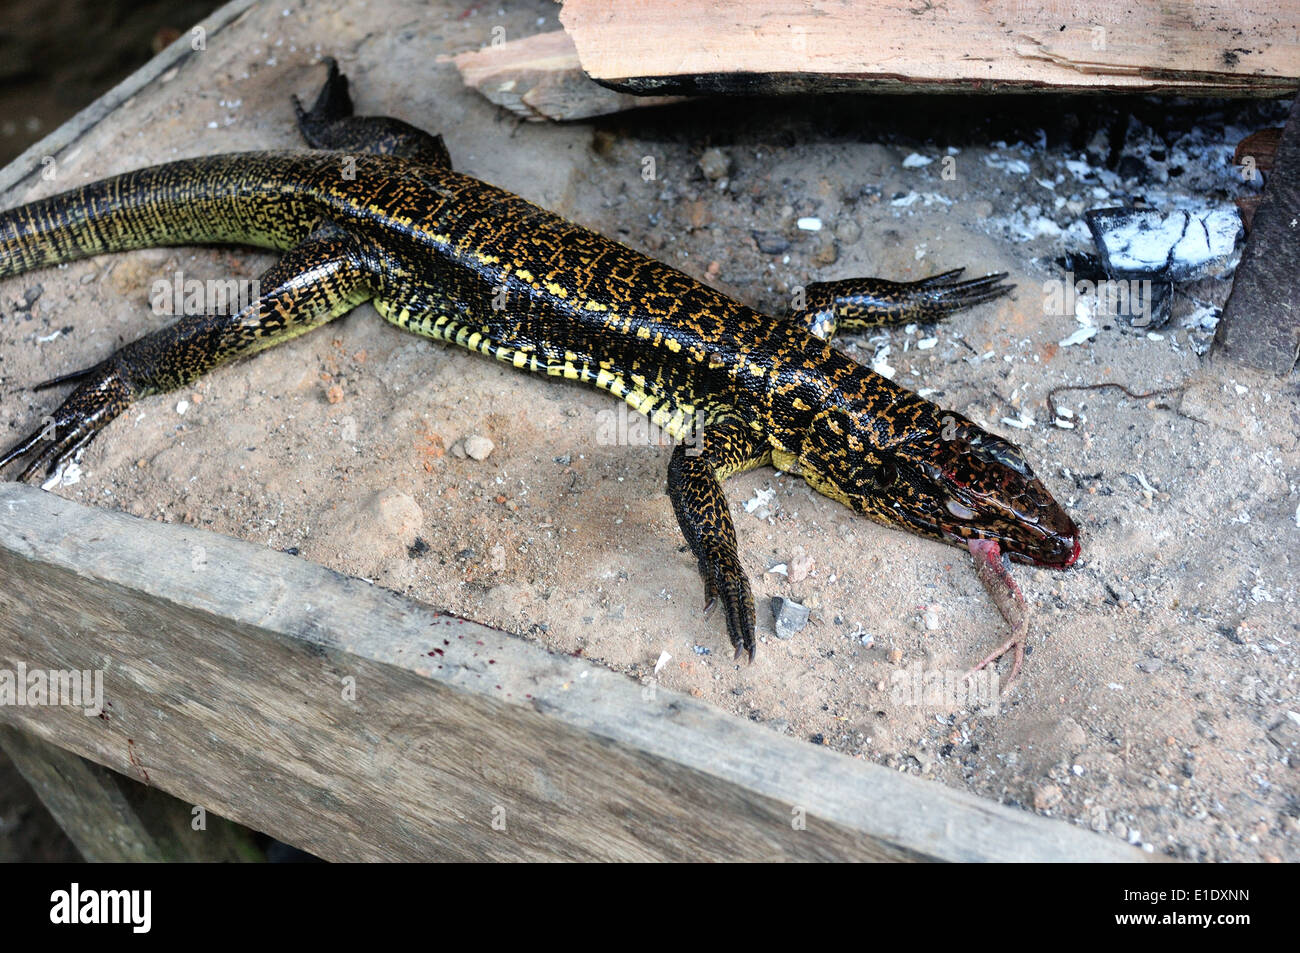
(827,252)
(714,163)
(848,231)
(801,566)
(790,616)
(1046,796)
(479,447)
(770,243)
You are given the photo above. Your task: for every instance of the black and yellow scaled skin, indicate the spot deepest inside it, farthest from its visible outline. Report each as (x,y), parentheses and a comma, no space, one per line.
(382,217)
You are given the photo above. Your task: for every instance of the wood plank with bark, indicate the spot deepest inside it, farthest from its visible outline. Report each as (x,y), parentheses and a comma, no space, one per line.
(539,77)
(1191,47)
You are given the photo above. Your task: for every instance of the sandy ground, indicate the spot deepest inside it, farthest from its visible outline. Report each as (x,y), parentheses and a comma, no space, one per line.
(1154,707)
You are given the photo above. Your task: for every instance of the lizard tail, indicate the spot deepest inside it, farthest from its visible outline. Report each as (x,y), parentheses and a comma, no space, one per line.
(246,199)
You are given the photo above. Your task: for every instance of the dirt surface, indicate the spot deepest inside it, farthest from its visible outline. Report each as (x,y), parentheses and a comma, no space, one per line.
(1154,707)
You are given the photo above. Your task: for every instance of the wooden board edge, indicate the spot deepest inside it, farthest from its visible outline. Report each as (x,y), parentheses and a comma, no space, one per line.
(993,47)
(570,703)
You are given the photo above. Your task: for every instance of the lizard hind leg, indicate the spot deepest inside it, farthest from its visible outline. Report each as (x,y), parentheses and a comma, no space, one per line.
(695,475)
(320,279)
(329,124)
(333,101)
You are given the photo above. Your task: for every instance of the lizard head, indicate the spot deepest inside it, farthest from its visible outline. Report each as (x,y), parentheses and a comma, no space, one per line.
(933,472)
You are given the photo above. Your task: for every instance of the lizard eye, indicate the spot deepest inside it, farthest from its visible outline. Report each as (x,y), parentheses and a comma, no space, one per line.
(997,450)
(885,476)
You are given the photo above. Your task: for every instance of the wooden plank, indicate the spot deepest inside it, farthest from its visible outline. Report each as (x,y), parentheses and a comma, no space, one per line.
(82,798)
(539,78)
(1205,47)
(113,819)
(1260,325)
(356,724)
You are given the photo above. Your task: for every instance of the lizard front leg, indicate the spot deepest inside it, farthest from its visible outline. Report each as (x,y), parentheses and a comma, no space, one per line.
(857,304)
(695,476)
(325,276)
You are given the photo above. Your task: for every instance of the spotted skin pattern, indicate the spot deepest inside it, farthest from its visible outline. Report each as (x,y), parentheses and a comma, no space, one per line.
(379,215)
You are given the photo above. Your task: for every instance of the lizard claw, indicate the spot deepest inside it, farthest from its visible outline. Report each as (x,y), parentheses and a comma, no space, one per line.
(101,396)
(943,294)
(725,582)
(728,585)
